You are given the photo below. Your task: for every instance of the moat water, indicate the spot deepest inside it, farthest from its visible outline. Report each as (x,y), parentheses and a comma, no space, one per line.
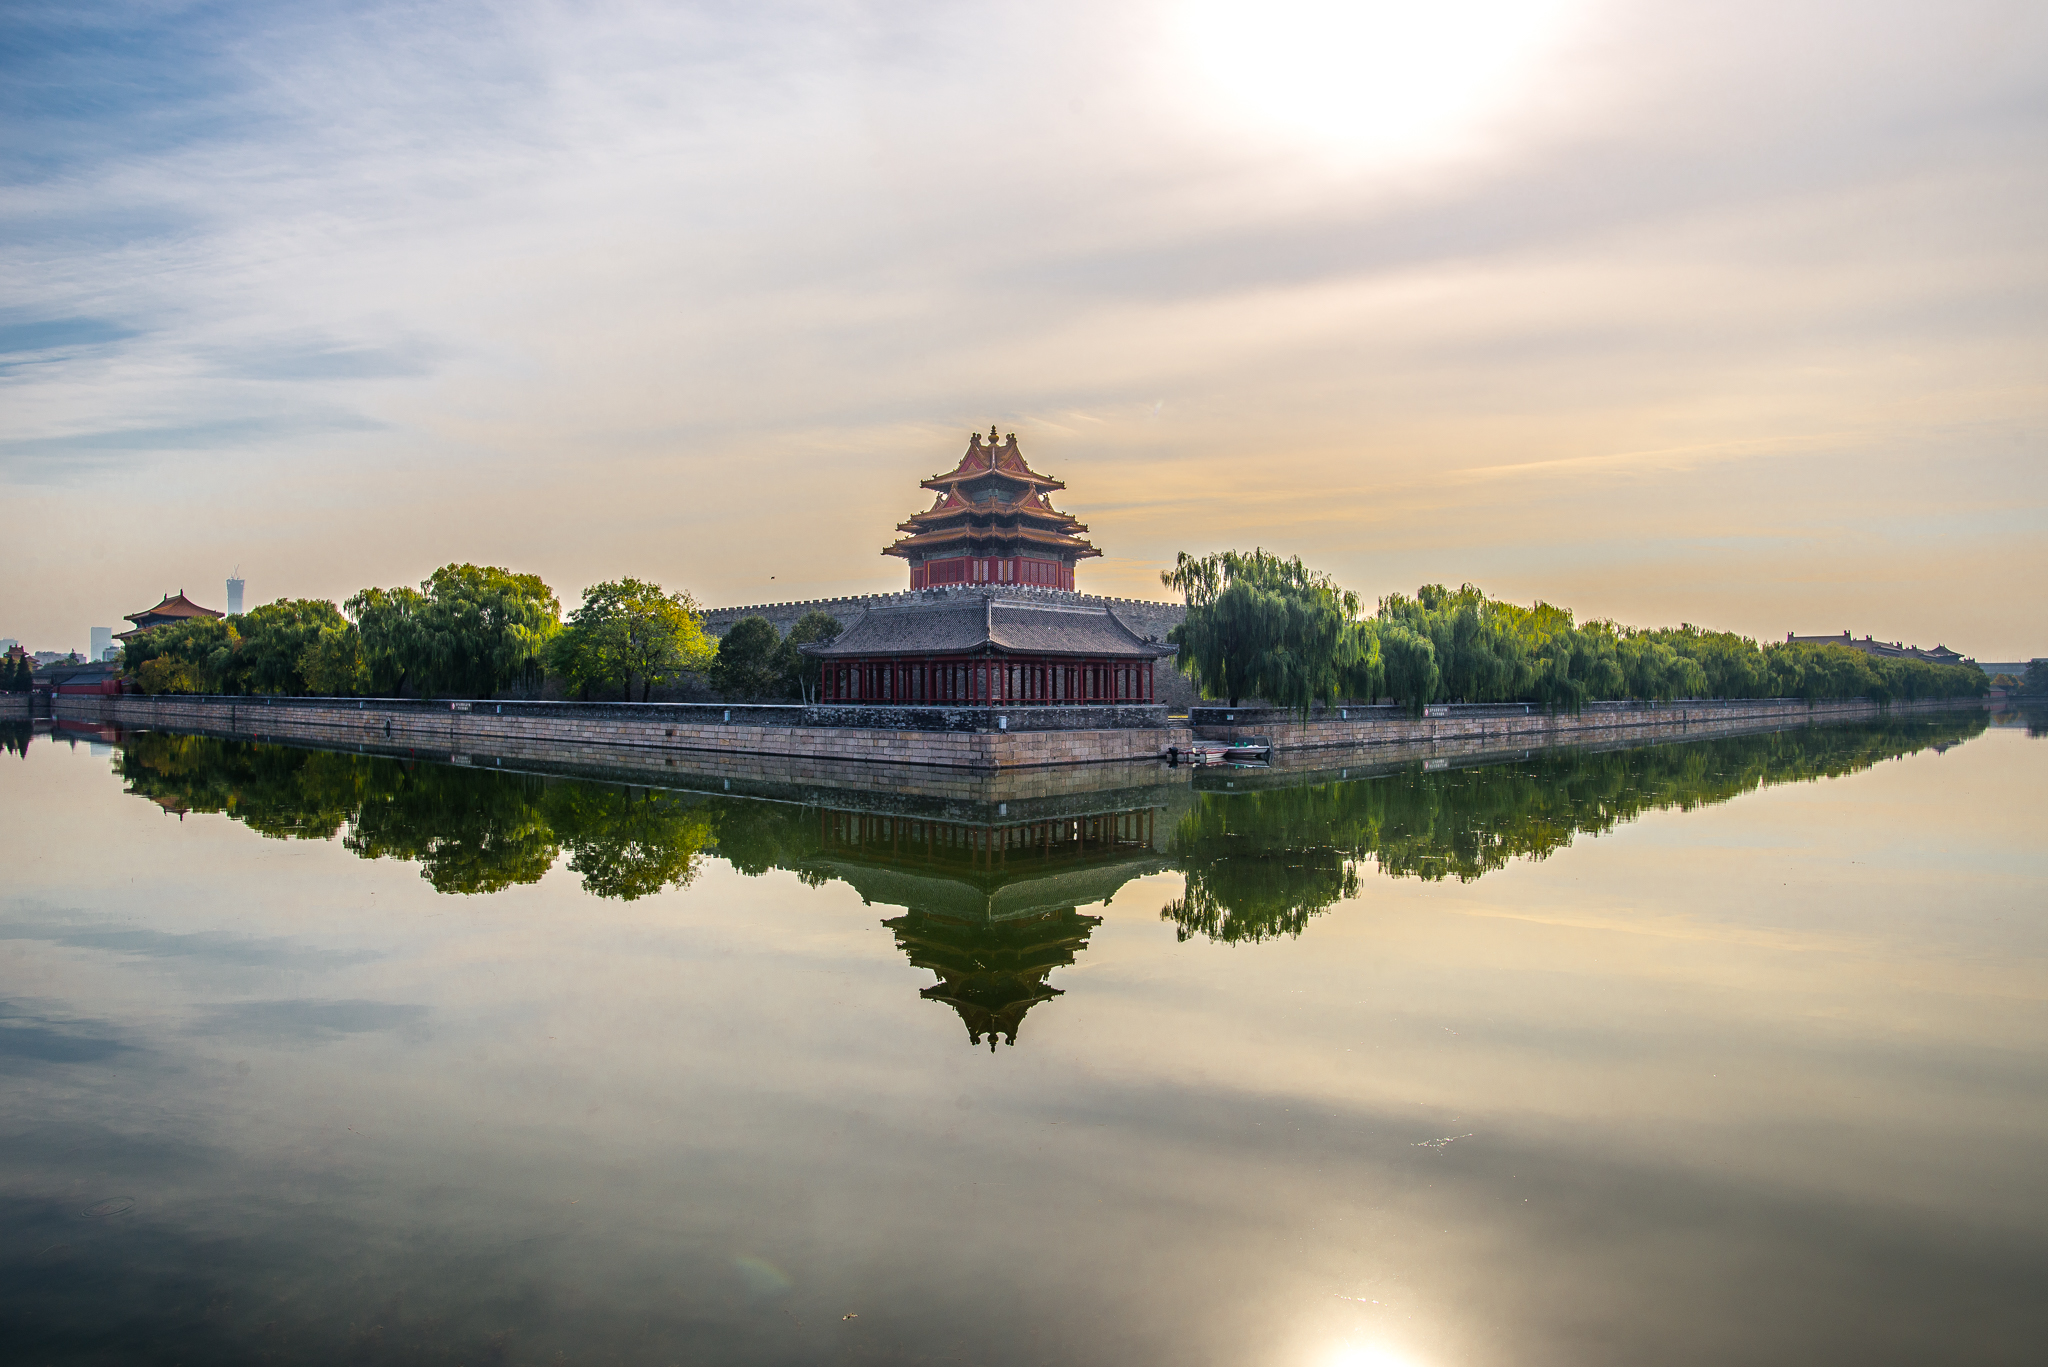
(1729,1051)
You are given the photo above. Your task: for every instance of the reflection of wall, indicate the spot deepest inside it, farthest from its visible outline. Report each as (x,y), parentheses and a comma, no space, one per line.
(1531,724)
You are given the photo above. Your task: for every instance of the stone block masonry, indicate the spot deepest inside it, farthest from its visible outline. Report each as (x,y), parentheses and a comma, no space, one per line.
(459,728)
(739,737)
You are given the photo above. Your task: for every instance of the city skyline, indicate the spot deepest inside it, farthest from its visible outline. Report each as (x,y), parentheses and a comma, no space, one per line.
(1620,309)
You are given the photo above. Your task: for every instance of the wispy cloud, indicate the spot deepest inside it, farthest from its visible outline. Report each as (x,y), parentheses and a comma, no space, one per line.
(531,256)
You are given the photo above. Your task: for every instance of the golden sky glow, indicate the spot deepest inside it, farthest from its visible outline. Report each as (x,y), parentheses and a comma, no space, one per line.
(1722,314)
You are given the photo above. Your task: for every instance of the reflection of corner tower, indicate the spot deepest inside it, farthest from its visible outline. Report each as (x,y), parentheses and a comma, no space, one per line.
(992,972)
(990,908)
(993,523)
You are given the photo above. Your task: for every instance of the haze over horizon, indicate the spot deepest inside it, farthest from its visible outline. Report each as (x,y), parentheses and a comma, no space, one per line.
(1732,315)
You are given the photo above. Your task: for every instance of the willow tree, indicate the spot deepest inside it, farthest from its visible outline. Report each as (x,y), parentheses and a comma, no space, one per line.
(388,625)
(276,638)
(485,628)
(1262,627)
(468,631)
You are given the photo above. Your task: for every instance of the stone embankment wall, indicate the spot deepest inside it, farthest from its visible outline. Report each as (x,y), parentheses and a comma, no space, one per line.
(1335,728)
(1149,619)
(463,728)
(15,706)
(734,739)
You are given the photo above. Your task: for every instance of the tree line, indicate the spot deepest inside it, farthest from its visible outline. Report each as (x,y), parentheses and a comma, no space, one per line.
(1260,864)
(1262,627)
(476,631)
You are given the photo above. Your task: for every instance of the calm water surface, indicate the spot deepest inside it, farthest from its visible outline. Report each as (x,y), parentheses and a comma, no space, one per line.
(1717,1052)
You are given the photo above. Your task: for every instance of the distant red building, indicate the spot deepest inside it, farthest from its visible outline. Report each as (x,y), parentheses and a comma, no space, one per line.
(174,608)
(1890,650)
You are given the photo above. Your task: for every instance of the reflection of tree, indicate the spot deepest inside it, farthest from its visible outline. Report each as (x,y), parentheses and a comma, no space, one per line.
(755,837)
(468,830)
(1260,864)
(15,736)
(283,794)
(992,972)
(628,843)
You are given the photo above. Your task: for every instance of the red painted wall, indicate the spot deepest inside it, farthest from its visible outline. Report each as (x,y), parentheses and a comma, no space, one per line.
(1018,569)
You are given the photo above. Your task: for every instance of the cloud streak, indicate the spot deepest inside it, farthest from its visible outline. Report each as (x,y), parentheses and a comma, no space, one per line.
(530,264)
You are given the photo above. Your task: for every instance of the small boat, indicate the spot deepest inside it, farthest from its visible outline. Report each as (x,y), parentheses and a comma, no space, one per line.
(1253,751)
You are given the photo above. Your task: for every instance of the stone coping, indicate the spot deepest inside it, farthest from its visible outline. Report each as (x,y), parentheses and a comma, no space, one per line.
(976,717)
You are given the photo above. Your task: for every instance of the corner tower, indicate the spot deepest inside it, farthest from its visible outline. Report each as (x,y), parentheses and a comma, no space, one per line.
(992,523)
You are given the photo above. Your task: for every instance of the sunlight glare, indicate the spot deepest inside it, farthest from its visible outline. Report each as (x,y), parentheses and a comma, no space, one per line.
(1366,1355)
(1373,77)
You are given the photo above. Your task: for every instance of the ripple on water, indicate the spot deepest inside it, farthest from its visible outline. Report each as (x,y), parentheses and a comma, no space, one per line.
(107,1209)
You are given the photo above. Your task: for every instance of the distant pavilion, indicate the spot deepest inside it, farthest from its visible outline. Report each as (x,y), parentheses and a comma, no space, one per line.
(174,608)
(1889,650)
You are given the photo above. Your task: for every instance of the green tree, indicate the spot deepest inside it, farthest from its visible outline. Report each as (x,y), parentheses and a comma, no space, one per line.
(1259,626)
(626,630)
(1410,670)
(814,626)
(335,664)
(388,622)
(625,843)
(276,638)
(2035,682)
(751,662)
(468,632)
(484,628)
(198,655)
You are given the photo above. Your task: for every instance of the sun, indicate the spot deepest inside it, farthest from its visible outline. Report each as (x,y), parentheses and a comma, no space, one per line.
(1370,77)
(1364,1356)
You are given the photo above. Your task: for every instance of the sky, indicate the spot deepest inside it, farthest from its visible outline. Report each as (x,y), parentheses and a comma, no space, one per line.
(1733,314)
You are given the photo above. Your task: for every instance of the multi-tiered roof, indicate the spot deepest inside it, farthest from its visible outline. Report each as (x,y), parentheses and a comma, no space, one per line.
(992,522)
(175,608)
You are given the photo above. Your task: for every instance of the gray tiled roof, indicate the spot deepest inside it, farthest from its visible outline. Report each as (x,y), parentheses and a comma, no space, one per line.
(968,623)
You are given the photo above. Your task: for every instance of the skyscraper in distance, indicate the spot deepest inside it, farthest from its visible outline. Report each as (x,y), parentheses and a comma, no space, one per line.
(235,592)
(102,642)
